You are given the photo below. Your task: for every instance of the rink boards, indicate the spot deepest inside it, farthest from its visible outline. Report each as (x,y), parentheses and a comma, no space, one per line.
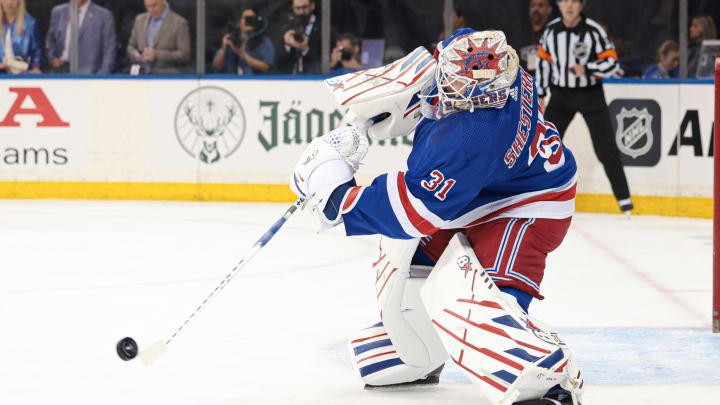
(233,139)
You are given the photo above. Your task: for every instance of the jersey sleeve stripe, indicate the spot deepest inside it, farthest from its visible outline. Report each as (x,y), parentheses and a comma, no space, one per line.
(398,208)
(418,221)
(424,212)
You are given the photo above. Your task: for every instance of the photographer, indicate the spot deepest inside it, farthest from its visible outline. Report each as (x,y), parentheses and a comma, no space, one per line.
(245,50)
(301,40)
(345,58)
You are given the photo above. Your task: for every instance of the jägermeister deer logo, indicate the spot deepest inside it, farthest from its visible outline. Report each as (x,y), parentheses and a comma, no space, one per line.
(210,124)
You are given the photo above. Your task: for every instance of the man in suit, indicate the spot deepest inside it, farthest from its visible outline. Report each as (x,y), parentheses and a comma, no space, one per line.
(160,40)
(96,39)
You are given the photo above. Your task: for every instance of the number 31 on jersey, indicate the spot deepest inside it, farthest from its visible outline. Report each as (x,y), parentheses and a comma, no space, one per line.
(437,181)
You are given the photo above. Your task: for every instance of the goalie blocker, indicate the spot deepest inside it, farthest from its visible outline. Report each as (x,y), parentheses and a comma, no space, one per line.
(458,313)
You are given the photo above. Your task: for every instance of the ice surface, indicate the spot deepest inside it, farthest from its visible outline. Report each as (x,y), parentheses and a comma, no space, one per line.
(631,297)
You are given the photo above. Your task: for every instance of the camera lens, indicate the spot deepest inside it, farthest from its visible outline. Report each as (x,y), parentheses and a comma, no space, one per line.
(346,54)
(236,36)
(253,21)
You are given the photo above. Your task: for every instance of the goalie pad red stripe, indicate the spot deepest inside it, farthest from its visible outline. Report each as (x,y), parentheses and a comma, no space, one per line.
(497,331)
(376,355)
(484,351)
(483,378)
(368,338)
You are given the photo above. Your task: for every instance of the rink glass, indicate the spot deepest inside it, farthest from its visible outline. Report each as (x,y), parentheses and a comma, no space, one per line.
(636,27)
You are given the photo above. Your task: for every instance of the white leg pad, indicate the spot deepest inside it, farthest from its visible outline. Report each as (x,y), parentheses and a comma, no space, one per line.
(488,335)
(404,347)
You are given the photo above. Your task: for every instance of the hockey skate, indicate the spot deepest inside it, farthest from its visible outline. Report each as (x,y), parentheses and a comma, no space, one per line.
(431,379)
(626,206)
(556,396)
(544,401)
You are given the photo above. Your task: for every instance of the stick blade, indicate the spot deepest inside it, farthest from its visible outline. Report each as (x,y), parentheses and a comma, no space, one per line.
(152,352)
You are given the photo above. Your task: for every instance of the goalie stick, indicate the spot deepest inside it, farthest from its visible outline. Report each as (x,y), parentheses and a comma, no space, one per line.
(155,350)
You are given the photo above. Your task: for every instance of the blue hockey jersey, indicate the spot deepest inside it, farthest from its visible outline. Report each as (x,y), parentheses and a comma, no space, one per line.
(469,168)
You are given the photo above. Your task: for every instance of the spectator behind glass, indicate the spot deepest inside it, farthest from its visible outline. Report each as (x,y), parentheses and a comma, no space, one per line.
(21,45)
(300,53)
(460,19)
(459,15)
(631,64)
(245,50)
(539,12)
(702,27)
(96,39)
(668,60)
(345,58)
(160,40)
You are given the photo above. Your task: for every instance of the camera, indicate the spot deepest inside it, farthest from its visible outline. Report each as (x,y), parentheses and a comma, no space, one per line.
(254,21)
(235,33)
(346,54)
(298,34)
(297,24)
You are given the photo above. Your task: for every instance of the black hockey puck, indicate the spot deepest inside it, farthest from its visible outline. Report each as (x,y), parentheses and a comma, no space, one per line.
(127,348)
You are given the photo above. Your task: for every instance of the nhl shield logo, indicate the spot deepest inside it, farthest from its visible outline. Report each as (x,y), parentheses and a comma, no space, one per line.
(210,124)
(634,135)
(638,131)
(581,50)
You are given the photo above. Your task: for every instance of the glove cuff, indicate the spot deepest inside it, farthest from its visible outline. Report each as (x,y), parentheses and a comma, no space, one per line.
(332,213)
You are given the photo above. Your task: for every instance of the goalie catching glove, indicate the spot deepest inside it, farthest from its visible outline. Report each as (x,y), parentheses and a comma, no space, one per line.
(323,175)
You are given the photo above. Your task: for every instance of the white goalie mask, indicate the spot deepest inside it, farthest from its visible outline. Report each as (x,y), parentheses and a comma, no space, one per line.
(475,70)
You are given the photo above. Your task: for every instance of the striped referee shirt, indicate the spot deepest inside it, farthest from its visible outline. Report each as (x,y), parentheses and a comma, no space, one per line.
(561,48)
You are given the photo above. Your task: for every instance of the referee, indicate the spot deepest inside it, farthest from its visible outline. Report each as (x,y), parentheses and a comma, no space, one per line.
(575,54)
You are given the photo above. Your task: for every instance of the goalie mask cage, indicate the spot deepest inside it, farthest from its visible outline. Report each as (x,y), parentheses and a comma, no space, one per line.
(716,206)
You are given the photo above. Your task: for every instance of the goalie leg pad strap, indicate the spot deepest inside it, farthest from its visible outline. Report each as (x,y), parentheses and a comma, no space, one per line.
(510,356)
(404,347)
